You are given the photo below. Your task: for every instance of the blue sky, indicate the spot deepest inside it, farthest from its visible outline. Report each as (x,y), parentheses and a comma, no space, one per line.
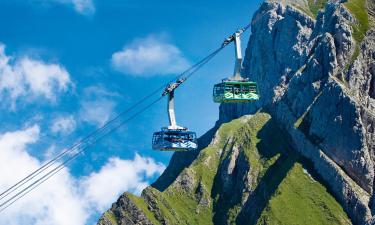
(68,65)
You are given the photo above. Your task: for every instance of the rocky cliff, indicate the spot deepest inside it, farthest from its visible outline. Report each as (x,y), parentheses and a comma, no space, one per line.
(303,154)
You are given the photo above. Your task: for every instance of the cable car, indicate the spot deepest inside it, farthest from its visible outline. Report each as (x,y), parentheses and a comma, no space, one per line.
(174,137)
(236,89)
(174,140)
(232,91)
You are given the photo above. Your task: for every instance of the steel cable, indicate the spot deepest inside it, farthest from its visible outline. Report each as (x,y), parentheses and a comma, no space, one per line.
(82,145)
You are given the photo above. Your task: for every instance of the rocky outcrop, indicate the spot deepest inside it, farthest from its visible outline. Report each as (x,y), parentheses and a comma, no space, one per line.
(124,211)
(316,79)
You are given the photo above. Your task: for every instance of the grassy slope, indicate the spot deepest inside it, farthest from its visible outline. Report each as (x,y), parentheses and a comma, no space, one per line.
(301,200)
(262,143)
(316,5)
(260,155)
(359,9)
(312,8)
(140,203)
(111,217)
(204,169)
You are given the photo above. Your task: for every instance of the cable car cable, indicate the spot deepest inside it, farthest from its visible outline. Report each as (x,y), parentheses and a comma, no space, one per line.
(45,177)
(62,154)
(189,72)
(77,145)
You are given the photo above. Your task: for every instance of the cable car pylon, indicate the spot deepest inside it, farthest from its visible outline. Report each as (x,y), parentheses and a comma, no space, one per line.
(236,89)
(174,137)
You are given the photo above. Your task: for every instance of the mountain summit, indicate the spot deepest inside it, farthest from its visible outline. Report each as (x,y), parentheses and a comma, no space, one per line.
(304,153)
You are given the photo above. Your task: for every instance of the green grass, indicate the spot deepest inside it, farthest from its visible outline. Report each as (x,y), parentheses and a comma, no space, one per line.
(312,8)
(186,208)
(352,59)
(141,204)
(111,217)
(263,144)
(177,206)
(301,200)
(304,9)
(359,10)
(205,166)
(316,5)
(299,121)
(204,170)
(166,210)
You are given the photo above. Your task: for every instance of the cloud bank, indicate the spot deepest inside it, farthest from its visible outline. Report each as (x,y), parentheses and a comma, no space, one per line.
(64,199)
(97,105)
(148,57)
(103,187)
(28,78)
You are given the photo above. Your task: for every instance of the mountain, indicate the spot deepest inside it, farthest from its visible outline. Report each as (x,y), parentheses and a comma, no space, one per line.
(303,154)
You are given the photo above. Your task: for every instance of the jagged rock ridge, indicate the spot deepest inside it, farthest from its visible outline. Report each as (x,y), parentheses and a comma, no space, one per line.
(318,84)
(316,75)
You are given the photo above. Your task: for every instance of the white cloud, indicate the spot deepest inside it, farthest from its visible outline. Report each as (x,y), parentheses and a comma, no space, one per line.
(96,112)
(51,152)
(29,78)
(65,195)
(117,176)
(84,7)
(51,202)
(63,125)
(97,106)
(149,56)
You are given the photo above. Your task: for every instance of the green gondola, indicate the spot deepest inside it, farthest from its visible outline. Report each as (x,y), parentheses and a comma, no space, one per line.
(235,92)
(236,89)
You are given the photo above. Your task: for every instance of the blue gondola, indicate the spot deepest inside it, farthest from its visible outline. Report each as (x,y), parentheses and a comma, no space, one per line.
(174,137)
(174,140)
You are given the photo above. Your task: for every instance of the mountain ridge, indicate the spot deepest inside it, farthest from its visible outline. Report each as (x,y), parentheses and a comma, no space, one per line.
(315,67)
(238,168)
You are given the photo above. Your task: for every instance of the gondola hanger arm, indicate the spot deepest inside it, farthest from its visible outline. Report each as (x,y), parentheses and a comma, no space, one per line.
(173,86)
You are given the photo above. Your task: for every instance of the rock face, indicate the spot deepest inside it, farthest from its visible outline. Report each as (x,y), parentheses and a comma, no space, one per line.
(316,76)
(120,213)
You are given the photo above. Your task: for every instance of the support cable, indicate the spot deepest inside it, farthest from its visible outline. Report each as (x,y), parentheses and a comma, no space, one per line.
(82,145)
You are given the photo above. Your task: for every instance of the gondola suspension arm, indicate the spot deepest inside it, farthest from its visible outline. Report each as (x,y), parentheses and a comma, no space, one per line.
(236,38)
(169,90)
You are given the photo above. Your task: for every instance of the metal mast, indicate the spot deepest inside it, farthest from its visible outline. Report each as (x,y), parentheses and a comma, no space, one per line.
(169,90)
(171,114)
(238,55)
(236,38)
